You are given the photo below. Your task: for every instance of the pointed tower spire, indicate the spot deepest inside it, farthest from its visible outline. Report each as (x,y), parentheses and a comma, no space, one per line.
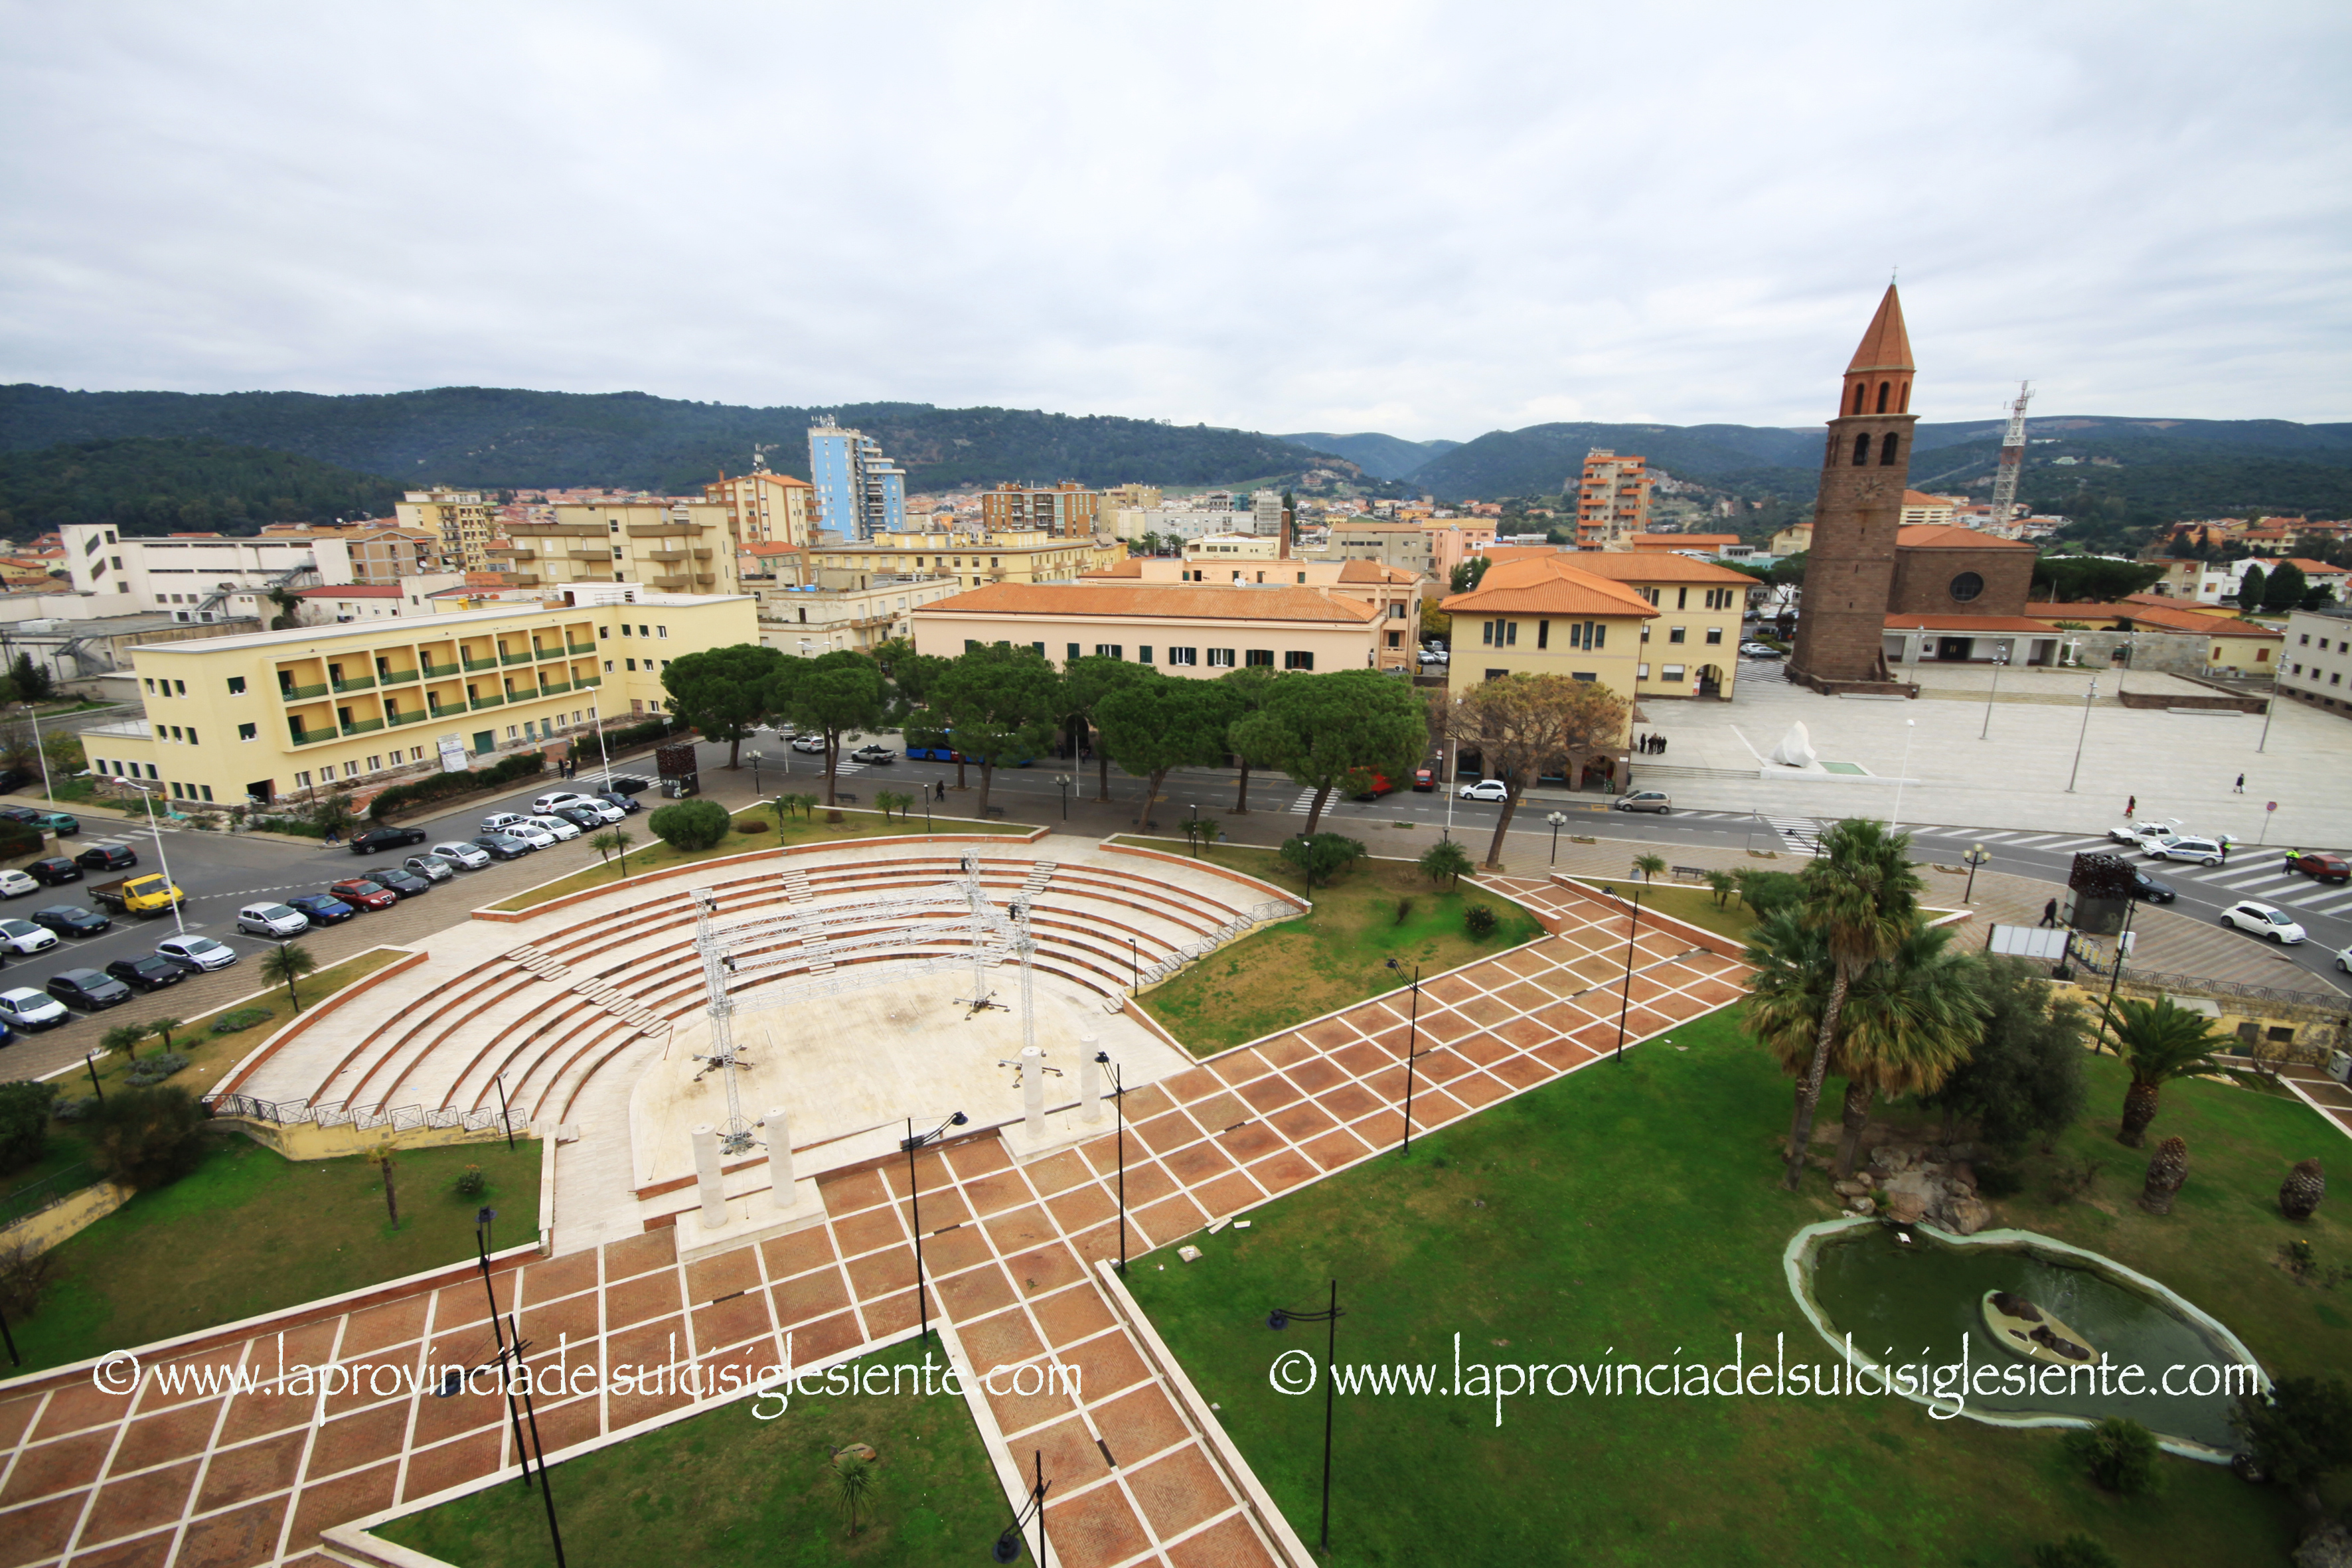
(1885,346)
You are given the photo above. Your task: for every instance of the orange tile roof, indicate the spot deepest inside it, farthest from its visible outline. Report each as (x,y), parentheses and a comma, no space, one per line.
(1951,536)
(1548,586)
(1884,344)
(1957,623)
(1375,571)
(1158,601)
(1680,541)
(1656,566)
(2307,567)
(1921,498)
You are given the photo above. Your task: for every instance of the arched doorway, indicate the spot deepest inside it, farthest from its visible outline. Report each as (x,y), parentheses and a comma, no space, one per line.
(1711,681)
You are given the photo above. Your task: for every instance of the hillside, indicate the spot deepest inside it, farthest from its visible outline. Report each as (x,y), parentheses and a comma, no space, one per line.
(504,437)
(146,485)
(1382,456)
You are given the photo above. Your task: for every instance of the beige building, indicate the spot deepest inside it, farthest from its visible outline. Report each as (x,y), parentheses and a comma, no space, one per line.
(1065,510)
(767,509)
(271,714)
(808,621)
(1692,649)
(1188,629)
(669,546)
(1612,498)
(1794,540)
(466,522)
(1395,592)
(1543,615)
(971,559)
(1215,549)
(1432,548)
(1920,508)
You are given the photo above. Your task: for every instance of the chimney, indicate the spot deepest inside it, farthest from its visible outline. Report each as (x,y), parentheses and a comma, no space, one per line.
(1281,552)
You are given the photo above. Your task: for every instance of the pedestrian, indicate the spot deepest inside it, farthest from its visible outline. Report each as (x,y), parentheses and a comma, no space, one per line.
(942,786)
(1661,746)
(2131,806)
(2225,842)
(2241,788)
(2050,914)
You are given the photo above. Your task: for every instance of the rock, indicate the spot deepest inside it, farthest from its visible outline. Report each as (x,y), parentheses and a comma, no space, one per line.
(2330,1546)
(1819,1161)
(856,1451)
(1860,1205)
(1905,1207)
(1960,1173)
(1966,1216)
(1850,1188)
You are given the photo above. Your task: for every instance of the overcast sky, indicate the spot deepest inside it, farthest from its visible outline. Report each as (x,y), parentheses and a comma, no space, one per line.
(1432,220)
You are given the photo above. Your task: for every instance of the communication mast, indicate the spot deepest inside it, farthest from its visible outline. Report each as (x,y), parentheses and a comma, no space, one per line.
(2012,460)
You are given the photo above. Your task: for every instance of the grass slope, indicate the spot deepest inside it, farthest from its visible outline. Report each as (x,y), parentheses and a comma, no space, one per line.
(1632,1214)
(725,1488)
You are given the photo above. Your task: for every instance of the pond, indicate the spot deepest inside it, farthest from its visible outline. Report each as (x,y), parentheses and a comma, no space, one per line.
(1921,1302)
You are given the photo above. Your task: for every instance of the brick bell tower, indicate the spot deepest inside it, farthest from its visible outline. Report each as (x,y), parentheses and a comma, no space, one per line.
(1850,572)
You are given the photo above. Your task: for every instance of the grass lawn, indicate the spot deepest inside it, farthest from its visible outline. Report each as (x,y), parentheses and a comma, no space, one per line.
(726,1487)
(1632,1214)
(1338,955)
(1684,902)
(647,853)
(252,1232)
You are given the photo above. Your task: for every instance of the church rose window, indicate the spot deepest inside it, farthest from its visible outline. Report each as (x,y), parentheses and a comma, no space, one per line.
(1967,586)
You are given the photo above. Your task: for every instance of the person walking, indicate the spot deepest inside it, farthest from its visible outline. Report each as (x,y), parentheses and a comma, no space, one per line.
(2225,841)
(2130,807)
(2050,914)
(2240,787)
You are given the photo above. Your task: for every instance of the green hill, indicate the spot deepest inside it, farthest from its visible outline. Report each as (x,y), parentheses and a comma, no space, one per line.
(1382,456)
(149,484)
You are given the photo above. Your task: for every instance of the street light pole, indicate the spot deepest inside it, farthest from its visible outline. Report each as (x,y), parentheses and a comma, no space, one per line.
(915,1196)
(1118,1103)
(1278,1319)
(2269,707)
(2088,698)
(597,713)
(1998,661)
(30,713)
(145,794)
(1977,855)
(1910,726)
(1626,999)
(1557,820)
(1412,1053)
(1062,781)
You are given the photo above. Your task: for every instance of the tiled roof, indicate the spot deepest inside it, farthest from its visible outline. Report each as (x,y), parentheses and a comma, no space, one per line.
(1958,625)
(1375,571)
(1884,344)
(1547,585)
(1680,541)
(1921,498)
(352,591)
(1951,536)
(1158,601)
(1656,566)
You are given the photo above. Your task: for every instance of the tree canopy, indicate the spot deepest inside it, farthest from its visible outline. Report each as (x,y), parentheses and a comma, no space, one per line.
(1326,731)
(999,702)
(830,694)
(1522,724)
(724,692)
(1152,726)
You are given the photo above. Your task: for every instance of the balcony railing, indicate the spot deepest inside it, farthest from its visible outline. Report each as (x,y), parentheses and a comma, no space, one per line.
(361,726)
(552,688)
(480,703)
(516,657)
(364,683)
(417,716)
(581,647)
(300,693)
(590,681)
(398,676)
(441,671)
(446,709)
(303,737)
(555,652)
(491,663)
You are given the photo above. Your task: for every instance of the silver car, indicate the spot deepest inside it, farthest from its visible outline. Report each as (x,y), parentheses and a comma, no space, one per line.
(24,936)
(272,920)
(432,868)
(1655,800)
(465,857)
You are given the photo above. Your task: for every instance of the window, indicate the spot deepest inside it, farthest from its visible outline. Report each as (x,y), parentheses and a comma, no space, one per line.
(1259,659)
(1143,653)
(1543,634)
(150,683)
(624,629)
(301,780)
(1884,388)
(1672,671)
(1584,674)
(1396,639)
(247,732)
(661,631)
(1396,611)
(1221,658)
(1501,634)
(665,664)
(1189,656)
(1496,674)
(1589,636)
(1110,650)
(1859,392)
(1293,658)
(1641,672)
(512,734)
(1715,635)
(1967,585)
(603,633)
(192,734)
(1889,446)
(1682,598)
(375,764)
(1674,634)
(175,728)
(608,666)
(236,686)
(1861,442)
(1039,648)
(1074,650)
(631,663)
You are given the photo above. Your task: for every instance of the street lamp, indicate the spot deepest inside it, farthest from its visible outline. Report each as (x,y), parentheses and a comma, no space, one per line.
(1118,1102)
(1278,1319)
(1412,1040)
(1977,855)
(1625,999)
(1997,661)
(597,714)
(1910,726)
(146,792)
(1557,820)
(482,1219)
(915,1195)
(2270,706)
(2088,698)
(756,760)
(1009,1544)
(1062,781)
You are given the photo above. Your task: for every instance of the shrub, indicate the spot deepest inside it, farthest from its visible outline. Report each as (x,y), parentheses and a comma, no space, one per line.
(76,1108)
(1478,919)
(1445,861)
(2077,1550)
(300,827)
(243,1019)
(24,1111)
(25,1275)
(155,1070)
(750,825)
(15,840)
(1404,910)
(1323,857)
(2120,1454)
(471,1183)
(690,825)
(147,1138)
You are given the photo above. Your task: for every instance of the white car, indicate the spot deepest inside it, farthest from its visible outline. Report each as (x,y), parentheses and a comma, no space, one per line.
(272,920)
(502,821)
(465,857)
(14,884)
(199,954)
(2204,850)
(556,828)
(2263,920)
(2147,833)
(809,744)
(24,936)
(564,797)
(1486,789)
(24,1009)
(529,832)
(2344,961)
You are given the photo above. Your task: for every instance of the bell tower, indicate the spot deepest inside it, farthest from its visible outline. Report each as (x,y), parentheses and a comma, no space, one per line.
(1850,572)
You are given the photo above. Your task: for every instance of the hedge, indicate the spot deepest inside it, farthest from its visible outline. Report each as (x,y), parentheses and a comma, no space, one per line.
(445,786)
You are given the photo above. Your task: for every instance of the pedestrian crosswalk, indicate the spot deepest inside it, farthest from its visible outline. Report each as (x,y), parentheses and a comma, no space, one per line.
(1801,834)
(1304,805)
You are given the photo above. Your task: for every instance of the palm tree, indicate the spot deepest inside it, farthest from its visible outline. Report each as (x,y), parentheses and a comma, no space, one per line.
(1649,865)
(125,1038)
(1445,861)
(287,962)
(1721,884)
(2159,1042)
(604,844)
(1910,1020)
(164,1026)
(1861,892)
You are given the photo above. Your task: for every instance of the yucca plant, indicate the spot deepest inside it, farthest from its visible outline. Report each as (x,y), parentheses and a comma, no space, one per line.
(2300,1194)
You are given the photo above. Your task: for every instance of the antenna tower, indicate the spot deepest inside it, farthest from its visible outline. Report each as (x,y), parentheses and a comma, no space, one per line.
(2012,460)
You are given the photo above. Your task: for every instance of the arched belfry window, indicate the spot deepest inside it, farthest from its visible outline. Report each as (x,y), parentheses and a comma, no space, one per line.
(1884,389)
(1860,391)
(1861,448)
(1903,402)
(1887,449)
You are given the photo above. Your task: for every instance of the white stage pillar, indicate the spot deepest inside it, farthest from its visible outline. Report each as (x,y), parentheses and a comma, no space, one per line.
(709,1181)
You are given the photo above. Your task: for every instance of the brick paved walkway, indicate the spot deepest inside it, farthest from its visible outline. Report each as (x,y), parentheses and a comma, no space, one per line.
(221,1481)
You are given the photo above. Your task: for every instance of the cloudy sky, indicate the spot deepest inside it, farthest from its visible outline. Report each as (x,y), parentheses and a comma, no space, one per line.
(1428,219)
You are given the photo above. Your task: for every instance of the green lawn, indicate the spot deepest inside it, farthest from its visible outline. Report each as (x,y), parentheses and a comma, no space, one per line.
(1632,1214)
(252,1232)
(1336,955)
(1685,902)
(726,1487)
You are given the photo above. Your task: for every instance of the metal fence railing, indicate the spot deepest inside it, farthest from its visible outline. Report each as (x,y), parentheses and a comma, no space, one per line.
(1193,951)
(364,1118)
(2168,980)
(47,1193)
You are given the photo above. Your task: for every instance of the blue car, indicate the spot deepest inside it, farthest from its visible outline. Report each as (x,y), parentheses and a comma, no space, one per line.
(322,910)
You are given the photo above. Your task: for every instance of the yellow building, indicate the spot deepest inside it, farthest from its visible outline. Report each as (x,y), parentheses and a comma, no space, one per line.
(270,714)
(1543,615)
(466,522)
(767,509)
(671,546)
(971,559)
(1692,649)
(1197,630)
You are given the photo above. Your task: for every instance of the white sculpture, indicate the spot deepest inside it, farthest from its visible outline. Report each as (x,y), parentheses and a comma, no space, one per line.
(1795,750)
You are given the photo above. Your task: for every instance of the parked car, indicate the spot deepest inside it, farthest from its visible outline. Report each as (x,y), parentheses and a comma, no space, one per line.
(110,855)
(626,803)
(196,954)
(2321,867)
(530,833)
(24,936)
(2203,850)
(321,910)
(55,822)
(586,817)
(71,920)
(363,894)
(462,854)
(27,1009)
(377,839)
(2263,920)
(1484,789)
(14,884)
(24,813)
(570,807)
(808,744)
(272,920)
(627,784)
(499,821)
(882,755)
(398,879)
(2344,961)
(1424,780)
(2146,887)
(430,867)
(1655,800)
(555,800)
(55,871)
(146,896)
(1758,650)
(556,828)
(88,989)
(2145,832)
(501,847)
(1380,786)
(152,973)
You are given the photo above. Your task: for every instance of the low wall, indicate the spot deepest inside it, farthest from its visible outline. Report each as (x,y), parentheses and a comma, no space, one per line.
(69,1216)
(2215,702)
(308,1140)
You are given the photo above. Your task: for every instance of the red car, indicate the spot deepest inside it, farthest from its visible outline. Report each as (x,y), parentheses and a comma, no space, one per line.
(361,893)
(1425,779)
(2325,868)
(1381,787)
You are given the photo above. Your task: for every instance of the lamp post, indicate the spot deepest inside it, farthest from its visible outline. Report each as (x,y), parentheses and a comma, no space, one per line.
(146,792)
(1118,1103)
(1997,661)
(755,776)
(597,714)
(89,1060)
(482,1219)
(2115,974)
(1625,999)
(1910,726)
(2270,706)
(1062,781)
(1008,1545)
(1977,855)
(505,1118)
(539,1448)
(1412,1054)
(34,716)
(1557,820)
(915,1196)
(1278,1319)
(2088,698)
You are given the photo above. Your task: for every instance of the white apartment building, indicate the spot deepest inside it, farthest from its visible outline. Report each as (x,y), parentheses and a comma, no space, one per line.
(2315,663)
(199,578)
(806,622)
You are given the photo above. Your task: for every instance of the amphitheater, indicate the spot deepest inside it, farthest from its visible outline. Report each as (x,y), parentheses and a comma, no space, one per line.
(846,977)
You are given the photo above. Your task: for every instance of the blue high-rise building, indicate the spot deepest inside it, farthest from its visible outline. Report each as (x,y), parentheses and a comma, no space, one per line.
(859,492)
